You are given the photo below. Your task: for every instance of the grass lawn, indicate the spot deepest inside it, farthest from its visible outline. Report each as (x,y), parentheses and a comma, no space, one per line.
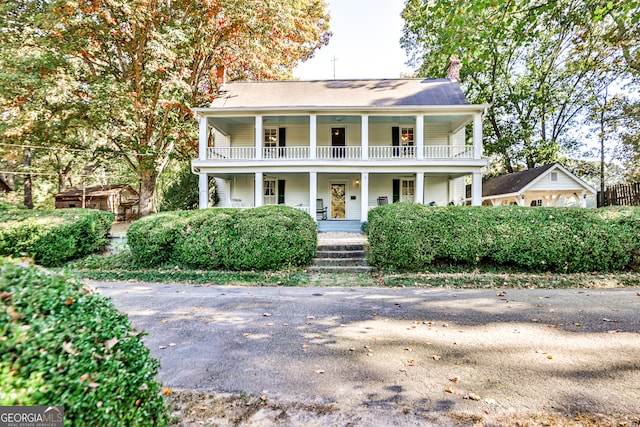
(118,267)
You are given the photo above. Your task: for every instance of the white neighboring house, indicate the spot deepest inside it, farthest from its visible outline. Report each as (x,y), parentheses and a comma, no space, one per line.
(341,145)
(549,185)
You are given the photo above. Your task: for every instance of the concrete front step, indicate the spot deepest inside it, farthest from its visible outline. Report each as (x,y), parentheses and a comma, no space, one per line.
(340,261)
(341,269)
(341,254)
(342,248)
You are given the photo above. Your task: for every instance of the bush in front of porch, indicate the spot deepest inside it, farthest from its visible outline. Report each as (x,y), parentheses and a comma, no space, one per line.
(265,238)
(53,237)
(411,237)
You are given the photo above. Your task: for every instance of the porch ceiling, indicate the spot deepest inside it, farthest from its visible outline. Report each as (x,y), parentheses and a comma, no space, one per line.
(456,120)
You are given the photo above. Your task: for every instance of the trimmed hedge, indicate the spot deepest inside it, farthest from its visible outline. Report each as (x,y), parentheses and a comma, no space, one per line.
(265,238)
(53,237)
(62,345)
(411,236)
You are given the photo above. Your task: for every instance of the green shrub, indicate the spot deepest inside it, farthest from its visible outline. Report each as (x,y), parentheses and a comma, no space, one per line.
(53,237)
(265,238)
(62,345)
(411,236)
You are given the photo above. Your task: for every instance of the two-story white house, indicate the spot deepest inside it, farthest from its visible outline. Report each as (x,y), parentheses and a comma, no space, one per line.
(337,148)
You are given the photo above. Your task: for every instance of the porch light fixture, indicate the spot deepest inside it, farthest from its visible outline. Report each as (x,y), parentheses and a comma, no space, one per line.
(522,196)
(356,183)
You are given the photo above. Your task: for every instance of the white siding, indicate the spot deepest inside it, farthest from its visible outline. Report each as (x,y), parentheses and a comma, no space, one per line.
(436,134)
(436,189)
(564,183)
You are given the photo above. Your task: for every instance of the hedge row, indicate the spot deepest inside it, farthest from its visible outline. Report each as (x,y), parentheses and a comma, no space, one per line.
(62,345)
(265,238)
(411,236)
(53,237)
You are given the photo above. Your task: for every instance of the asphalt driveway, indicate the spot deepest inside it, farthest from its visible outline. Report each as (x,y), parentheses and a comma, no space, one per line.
(395,356)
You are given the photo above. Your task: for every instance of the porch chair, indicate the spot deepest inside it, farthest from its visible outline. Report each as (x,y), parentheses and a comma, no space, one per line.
(321,209)
(383,200)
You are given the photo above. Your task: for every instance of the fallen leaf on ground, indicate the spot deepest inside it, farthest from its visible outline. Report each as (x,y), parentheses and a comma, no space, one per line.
(69,301)
(472,396)
(266,314)
(448,390)
(320,371)
(166,391)
(549,357)
(501,294)
(610,320)
(436,356)
(111,343)
(270,324)
(162,347)
(454,379)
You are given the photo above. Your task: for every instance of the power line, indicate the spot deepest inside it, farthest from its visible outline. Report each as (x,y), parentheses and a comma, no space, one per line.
(69,149)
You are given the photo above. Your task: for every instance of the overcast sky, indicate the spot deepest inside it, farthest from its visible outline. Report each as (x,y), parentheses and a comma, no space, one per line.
(365,42)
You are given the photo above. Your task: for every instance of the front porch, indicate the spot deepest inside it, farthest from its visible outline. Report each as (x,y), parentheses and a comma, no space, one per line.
(336,197)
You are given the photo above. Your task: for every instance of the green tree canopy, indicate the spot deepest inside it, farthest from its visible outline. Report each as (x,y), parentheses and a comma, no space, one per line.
(538,63)
(138,66)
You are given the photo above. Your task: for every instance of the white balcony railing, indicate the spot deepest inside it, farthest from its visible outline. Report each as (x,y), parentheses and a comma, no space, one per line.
(448,152)
(285,153)
(231,153)
(340,153)
(386,152)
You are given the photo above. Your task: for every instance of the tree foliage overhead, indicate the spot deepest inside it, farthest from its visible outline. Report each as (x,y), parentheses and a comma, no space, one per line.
(138,66)
(539,63)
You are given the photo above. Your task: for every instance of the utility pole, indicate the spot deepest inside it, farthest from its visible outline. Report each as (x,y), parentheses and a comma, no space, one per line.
(334,66)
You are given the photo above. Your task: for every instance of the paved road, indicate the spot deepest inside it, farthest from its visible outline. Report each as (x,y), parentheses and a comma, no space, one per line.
(482,353)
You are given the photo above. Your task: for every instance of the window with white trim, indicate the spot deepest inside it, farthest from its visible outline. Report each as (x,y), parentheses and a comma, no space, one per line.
(270,196)
(270,142)
(407,141)
(408,190)
(536,202)
(553,176)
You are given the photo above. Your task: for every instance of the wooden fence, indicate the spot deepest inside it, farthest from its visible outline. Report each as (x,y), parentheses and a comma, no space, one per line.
(620,195)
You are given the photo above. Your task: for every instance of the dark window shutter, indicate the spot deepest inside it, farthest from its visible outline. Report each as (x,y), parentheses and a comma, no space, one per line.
(282,137)
(395,140)
(396,190)
(281,191)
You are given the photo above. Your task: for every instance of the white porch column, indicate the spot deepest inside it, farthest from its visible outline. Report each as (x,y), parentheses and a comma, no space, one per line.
(477,136)
(313,137)
(203,137)
(203,191)
(258,189)
(476,189)
(259,137)
(420,188)
(364,196)
(313,194)
(365,136)
(420,136)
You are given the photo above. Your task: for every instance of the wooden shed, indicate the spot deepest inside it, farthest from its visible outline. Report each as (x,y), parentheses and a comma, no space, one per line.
(120,199)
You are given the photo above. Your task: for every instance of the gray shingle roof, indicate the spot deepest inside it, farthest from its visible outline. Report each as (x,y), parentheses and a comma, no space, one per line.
(340,93)
(513,182)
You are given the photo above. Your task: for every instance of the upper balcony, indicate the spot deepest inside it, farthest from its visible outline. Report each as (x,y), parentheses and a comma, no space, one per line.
(326,153)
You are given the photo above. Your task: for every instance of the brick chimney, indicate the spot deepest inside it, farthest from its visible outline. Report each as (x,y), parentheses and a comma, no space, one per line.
(221,75)
(453,69)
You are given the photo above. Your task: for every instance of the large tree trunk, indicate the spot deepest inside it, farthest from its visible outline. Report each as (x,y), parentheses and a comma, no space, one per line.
(147,193)
(28,186)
